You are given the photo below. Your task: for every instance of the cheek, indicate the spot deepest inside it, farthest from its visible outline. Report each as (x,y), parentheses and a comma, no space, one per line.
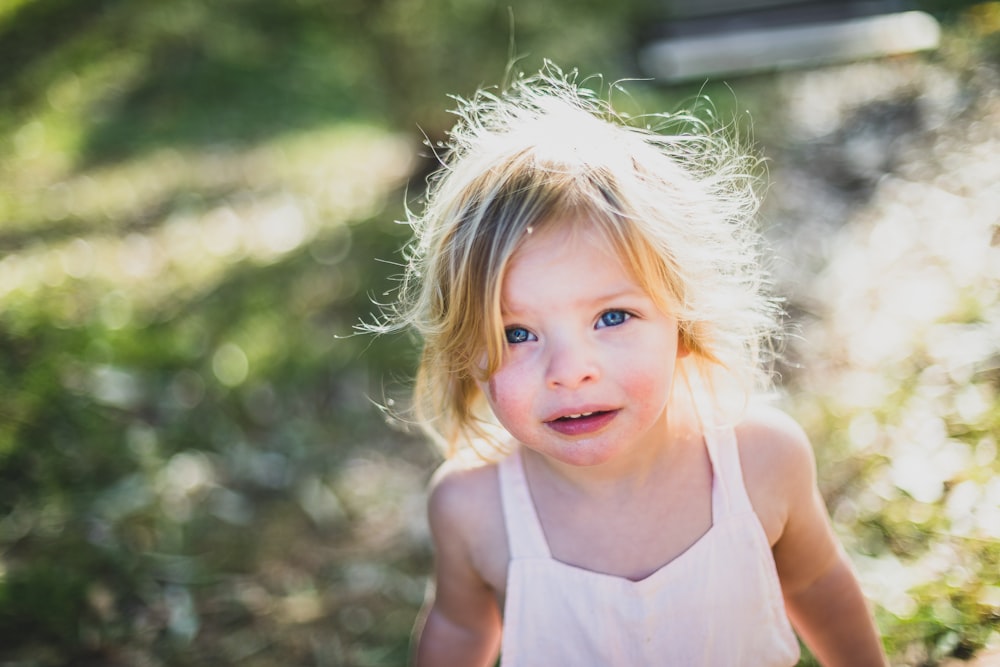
(641,380)
(649,378)
(508,394)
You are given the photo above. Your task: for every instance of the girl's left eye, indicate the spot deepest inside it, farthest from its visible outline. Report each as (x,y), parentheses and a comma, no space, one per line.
(612,318)
(515,335)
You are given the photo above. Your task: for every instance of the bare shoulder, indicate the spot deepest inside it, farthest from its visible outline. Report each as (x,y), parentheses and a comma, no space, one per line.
(770,436)
(779,468)
(461,491)
(466,519)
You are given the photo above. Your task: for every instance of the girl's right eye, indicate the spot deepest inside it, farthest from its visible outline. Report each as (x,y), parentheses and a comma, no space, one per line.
(517,335)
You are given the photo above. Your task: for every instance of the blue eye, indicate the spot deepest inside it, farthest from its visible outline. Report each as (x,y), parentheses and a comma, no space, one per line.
(517,335)
(612,318)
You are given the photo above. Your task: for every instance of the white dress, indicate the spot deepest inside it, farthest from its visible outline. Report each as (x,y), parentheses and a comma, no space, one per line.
(717,604)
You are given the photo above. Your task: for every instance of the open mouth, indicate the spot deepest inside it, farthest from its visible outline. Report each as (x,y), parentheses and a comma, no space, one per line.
(582,423)
(582,415)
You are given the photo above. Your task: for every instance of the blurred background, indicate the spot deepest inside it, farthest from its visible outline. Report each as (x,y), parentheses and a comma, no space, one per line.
(198,203)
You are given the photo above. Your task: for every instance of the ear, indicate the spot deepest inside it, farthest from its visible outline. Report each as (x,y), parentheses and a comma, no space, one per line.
(683,349)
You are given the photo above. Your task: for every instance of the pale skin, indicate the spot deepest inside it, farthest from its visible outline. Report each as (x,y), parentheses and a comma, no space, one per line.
(628,490)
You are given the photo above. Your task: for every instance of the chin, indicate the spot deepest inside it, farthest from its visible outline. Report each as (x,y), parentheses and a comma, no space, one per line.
(582,454)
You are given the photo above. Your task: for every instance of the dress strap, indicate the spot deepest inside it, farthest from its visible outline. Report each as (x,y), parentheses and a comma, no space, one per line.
(524,531)
(729,493)
(724,452)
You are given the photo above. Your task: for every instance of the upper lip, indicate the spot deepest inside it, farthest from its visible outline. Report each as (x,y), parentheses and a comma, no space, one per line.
(577,410)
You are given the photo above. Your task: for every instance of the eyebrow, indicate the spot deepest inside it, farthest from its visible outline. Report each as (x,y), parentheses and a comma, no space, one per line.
(630,291)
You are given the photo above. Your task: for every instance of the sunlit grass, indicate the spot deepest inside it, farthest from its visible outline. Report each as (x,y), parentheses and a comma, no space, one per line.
(217,208)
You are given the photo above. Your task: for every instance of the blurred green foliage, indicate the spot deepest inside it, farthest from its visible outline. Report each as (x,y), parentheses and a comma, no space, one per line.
(193,195)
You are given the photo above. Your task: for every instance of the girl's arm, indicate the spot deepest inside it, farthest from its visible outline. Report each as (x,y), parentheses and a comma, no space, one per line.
(822,594)
(831,616)
(460,623)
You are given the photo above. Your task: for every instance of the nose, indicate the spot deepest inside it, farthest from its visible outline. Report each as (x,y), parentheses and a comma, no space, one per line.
(571,363)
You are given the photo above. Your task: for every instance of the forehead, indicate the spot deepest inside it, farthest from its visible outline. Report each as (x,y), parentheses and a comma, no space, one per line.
(564,260)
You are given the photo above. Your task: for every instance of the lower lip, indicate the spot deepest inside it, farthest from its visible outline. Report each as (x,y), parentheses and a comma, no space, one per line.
(582,425)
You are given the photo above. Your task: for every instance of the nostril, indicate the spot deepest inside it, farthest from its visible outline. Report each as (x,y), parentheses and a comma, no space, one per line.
(570,363)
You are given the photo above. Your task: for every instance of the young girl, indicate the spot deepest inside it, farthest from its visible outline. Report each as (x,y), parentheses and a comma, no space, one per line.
(592,316)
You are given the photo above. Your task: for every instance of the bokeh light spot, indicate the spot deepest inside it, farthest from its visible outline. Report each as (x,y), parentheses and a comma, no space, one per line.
(230,364)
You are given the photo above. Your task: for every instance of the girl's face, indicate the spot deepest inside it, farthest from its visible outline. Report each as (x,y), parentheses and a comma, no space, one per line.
(589,359)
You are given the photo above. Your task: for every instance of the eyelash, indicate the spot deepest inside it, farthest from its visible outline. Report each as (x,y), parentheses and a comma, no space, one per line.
(626,316)
(509,332)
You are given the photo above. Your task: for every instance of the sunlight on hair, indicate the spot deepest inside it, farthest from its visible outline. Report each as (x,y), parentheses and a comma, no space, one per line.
(677,202)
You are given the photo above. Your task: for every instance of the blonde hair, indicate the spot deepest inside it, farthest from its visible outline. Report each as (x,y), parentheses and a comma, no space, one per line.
(678,208)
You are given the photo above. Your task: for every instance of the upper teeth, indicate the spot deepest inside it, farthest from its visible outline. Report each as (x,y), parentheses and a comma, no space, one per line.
(582,414)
